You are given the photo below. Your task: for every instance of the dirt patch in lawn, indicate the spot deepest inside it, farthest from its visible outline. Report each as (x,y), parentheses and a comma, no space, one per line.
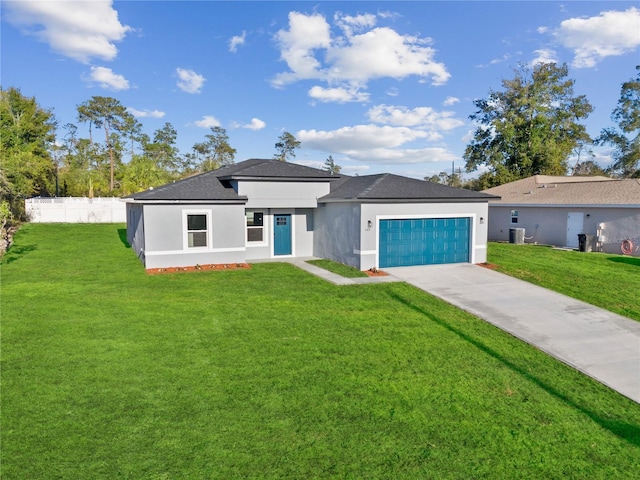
(200,268)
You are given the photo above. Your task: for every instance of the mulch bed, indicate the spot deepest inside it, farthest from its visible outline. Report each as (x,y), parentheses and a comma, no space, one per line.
(490,266)
(374,272)
(200,268)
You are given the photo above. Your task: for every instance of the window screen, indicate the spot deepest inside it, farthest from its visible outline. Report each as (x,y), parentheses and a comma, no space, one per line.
(255,222)
(197,230)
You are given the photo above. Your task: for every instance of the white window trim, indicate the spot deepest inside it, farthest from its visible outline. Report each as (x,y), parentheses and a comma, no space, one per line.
(185,232)
(265,228)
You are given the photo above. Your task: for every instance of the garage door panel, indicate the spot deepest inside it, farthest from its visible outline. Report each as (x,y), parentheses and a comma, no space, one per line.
(424,241)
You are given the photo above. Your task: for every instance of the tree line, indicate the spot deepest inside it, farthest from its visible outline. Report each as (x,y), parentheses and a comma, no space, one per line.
(116,158)
(531,126)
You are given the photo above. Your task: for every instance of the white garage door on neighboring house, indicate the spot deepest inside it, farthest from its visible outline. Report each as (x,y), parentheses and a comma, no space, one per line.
(424,241)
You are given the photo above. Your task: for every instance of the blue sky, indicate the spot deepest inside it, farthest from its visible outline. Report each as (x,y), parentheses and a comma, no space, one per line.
(380,86)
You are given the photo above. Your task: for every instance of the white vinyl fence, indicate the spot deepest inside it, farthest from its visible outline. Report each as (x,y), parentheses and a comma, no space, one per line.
(76,210)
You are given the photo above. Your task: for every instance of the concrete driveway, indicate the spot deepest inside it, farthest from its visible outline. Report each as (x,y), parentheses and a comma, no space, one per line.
(599,343)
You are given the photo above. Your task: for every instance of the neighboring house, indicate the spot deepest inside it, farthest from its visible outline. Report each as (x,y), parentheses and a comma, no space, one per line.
(555,210)
(264,209)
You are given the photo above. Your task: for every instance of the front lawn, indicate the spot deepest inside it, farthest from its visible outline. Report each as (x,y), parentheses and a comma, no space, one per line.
(108,372)
(607,281)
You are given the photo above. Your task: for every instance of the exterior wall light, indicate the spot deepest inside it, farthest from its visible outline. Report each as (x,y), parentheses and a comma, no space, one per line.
(369,224)
(481,220)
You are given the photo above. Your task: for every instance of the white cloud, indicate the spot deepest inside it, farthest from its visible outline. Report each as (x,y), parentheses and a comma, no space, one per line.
(310,163)
(353,59)
(306,33)
(189,81)
(544,55)
(501,59)
(382,52)
(338,94)
(255,124)
(79,30)
(450,101)
(145,113)
(375,144)
(497,60)
(236,41)
(207,121)
(405,156)
(467,137)
(349,23)
(107,79)
(359,137)
(393,92)
(355,169)
(420,117)
(592,39)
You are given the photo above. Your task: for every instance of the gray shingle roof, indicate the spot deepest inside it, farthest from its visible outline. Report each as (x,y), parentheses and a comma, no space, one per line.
(214,185)
(548,190)
(205,186)
(389,187)
(261,168)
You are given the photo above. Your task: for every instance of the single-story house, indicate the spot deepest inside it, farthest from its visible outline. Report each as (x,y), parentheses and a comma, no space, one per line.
(265,209)
(555,210)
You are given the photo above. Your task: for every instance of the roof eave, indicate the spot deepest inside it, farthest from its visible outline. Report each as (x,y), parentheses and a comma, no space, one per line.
(275,178)
(238,201)
(405,200)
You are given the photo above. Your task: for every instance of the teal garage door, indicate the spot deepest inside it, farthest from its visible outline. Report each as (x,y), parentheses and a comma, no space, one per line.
(424,241)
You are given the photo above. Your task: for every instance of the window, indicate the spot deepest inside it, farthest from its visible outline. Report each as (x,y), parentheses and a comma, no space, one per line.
(196,231)
(514,216)
(255,226)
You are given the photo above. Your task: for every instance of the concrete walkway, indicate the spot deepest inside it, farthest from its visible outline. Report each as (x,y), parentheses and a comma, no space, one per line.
(338,279)
(301,262)
(599,343)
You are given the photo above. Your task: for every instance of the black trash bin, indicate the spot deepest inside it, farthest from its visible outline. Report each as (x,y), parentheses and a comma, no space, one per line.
(585,242)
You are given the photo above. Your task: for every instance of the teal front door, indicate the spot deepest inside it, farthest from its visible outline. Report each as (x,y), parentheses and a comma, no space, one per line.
(282,234)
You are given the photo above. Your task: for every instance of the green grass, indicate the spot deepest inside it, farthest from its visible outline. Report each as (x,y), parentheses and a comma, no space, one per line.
(108,372)
(607,281)
(338,268)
